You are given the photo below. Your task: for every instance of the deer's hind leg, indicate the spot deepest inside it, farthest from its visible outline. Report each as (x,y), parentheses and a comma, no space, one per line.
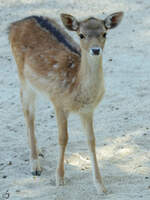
(28,97)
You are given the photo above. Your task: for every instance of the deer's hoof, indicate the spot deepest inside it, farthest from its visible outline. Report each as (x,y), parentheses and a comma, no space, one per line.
(41,155)
(59,181)
(100,188)
(36,173)
(35,167)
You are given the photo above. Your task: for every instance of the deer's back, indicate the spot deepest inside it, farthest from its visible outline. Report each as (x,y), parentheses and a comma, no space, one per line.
(45,54)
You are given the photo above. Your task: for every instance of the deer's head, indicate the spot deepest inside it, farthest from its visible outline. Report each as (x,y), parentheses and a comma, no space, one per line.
(92,31)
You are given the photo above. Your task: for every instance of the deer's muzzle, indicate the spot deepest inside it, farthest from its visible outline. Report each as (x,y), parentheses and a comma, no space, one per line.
(95,51)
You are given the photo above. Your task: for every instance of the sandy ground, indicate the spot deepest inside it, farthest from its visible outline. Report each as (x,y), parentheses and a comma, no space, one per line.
(122,124)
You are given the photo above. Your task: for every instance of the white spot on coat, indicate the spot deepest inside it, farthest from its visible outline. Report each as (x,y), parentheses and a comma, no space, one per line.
(72,65)
(73,79)
(64,83)
(56,66)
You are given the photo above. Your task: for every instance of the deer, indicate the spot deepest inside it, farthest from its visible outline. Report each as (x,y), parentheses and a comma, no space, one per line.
(70,75)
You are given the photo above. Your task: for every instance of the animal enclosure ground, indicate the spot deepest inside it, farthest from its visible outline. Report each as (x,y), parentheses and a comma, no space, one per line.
(122,120)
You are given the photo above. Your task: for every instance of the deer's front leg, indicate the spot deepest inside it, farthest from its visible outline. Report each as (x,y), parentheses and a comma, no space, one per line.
(63,140)
(87,120)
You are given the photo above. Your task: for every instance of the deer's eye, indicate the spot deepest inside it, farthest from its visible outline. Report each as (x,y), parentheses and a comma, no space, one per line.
(81,36)
(104,35)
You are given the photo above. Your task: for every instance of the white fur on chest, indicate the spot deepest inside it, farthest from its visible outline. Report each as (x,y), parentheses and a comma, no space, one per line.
(91,89)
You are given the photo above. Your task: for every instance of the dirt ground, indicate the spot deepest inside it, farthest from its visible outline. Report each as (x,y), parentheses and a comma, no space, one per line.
(122,120)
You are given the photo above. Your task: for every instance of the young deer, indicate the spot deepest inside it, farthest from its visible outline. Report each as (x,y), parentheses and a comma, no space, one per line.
(51,63)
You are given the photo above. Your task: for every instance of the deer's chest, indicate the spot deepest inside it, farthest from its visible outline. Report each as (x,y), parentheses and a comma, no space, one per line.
(89,95)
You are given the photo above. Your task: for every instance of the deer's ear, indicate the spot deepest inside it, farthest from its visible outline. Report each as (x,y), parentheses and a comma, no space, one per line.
(70,22)
(113,20)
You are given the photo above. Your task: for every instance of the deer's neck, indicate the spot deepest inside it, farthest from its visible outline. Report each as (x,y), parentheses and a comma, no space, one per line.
(91,71)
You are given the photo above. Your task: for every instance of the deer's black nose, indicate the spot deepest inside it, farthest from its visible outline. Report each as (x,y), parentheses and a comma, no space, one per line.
(95,51)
